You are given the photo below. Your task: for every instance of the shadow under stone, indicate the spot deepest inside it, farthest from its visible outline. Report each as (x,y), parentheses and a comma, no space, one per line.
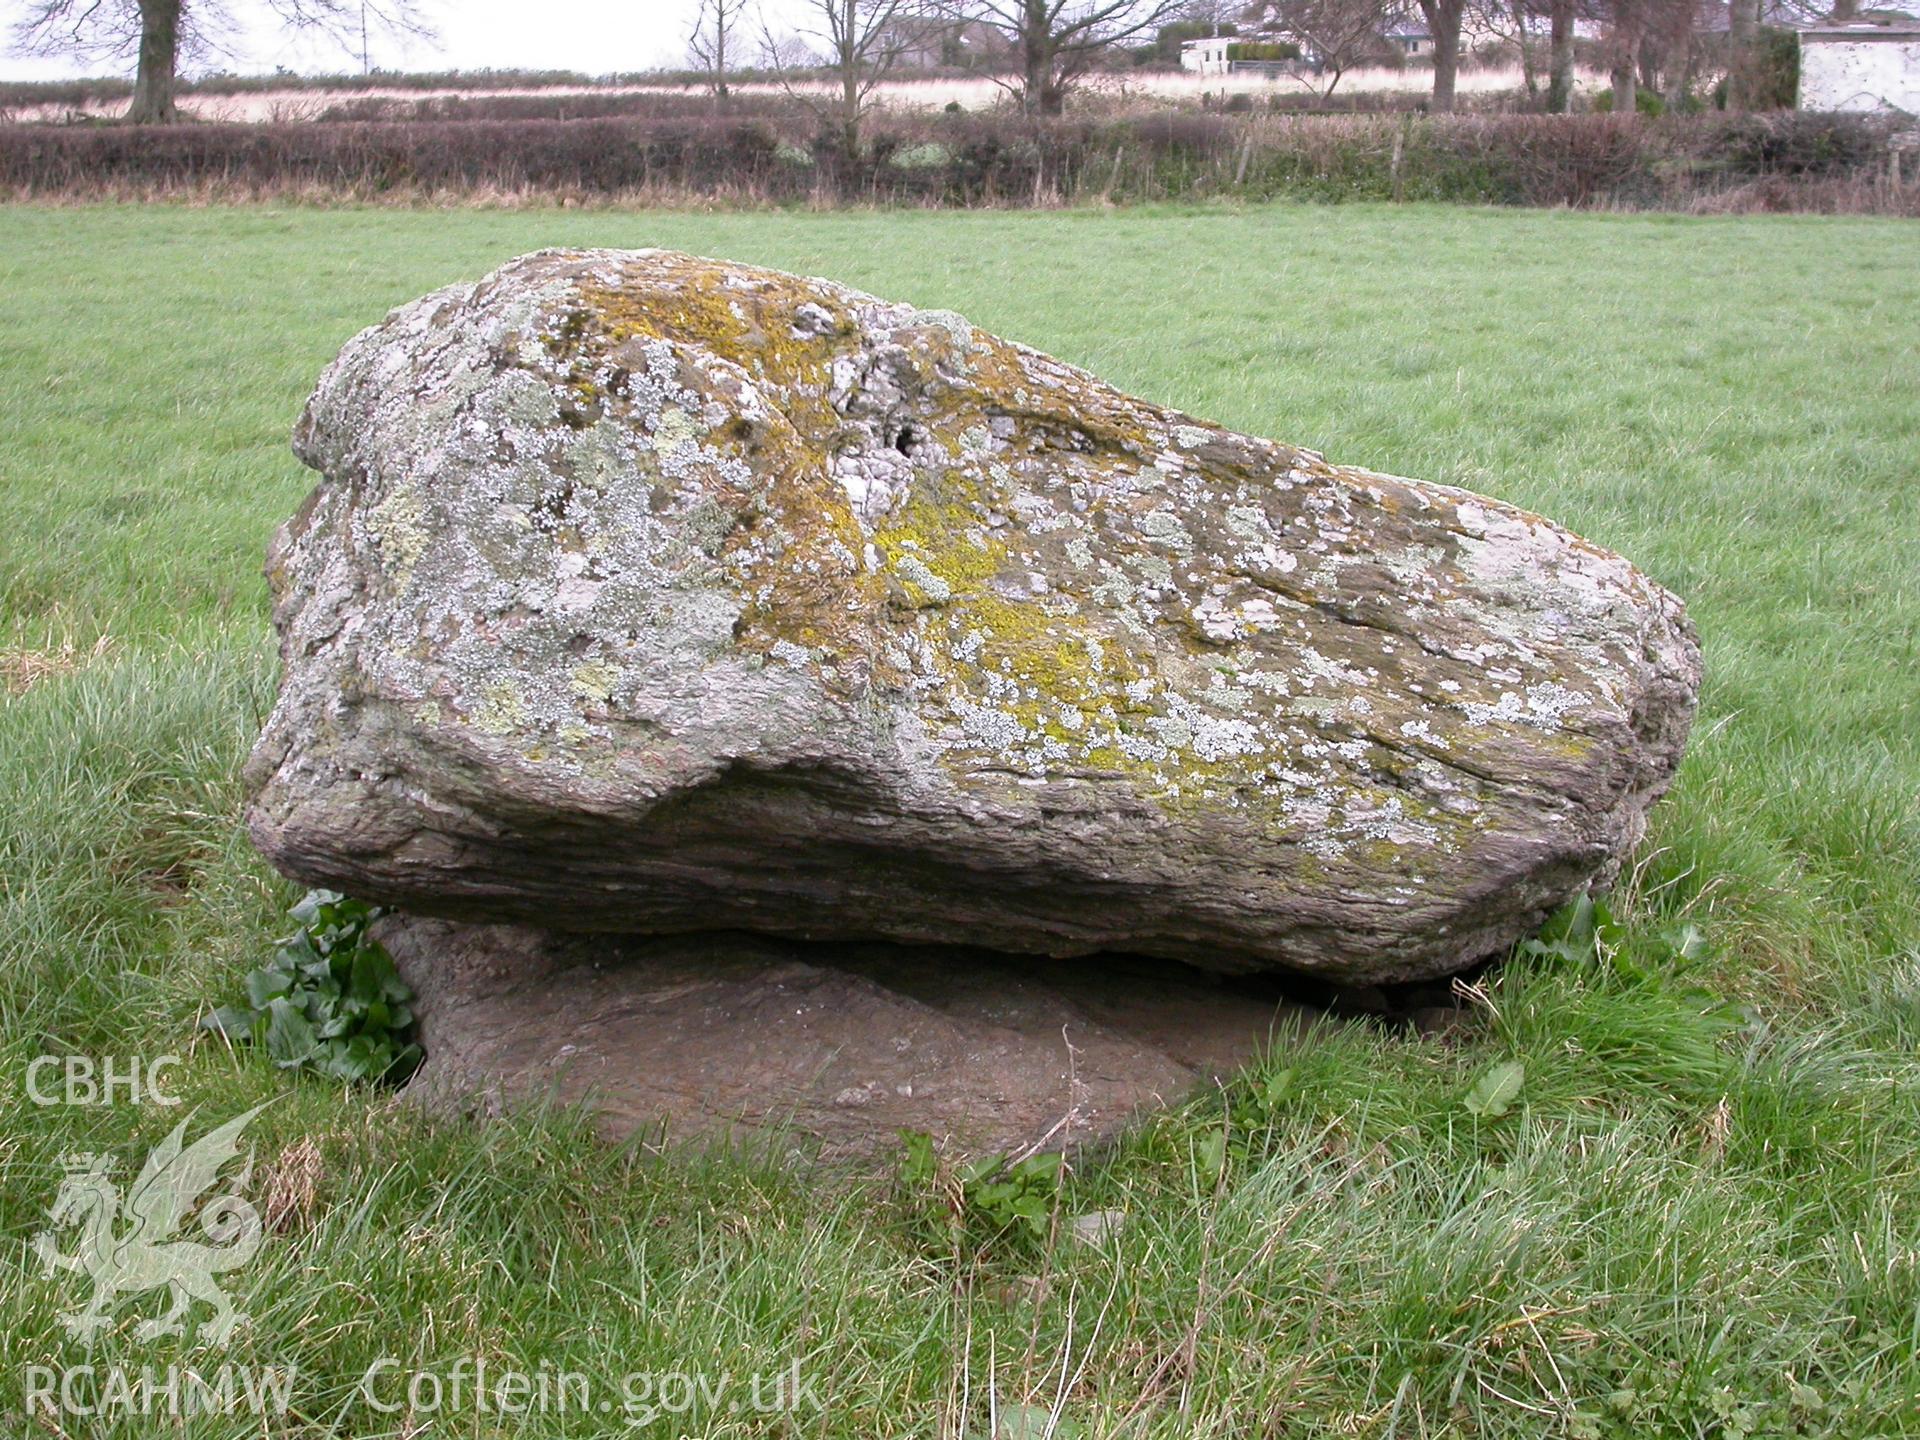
(839,1045)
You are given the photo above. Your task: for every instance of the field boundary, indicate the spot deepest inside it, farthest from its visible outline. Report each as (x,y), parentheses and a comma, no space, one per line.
(1710,163)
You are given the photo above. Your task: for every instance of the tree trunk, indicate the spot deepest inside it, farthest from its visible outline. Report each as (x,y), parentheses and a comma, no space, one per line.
(850,100)
(153,83)
(1626,94)
(1443,24)
(1040,94)
(1679,74)
(1528,70)
(1743,29)
(1560,83)
(1623,47)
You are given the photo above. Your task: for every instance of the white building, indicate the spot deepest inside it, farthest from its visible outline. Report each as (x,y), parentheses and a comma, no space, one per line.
(1206,57)
(1869,69)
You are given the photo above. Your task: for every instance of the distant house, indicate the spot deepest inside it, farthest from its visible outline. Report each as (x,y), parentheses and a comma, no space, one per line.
(1263,26)
(1410,39)
(1208,56)
(1240,55)
(1861,68)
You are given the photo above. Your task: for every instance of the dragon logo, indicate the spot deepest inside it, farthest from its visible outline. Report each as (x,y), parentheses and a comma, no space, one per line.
(127,1245)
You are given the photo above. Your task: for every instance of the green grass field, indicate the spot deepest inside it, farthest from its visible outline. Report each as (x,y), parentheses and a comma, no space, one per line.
(1700,1218)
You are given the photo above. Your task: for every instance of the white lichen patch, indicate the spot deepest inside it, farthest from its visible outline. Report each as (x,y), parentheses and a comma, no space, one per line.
(913,570)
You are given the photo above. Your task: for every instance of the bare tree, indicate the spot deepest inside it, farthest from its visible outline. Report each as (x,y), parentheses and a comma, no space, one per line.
(1743,59)
(1443,24)
(1560,18)
(785,54)
(1747,67)
(1655,46)
(862,42)
(157,35)
(1056,42)
(711,44)
(1215,14)
(1509,24)
(1336,35)
(1626,25)
(1524,13)
(1674,43)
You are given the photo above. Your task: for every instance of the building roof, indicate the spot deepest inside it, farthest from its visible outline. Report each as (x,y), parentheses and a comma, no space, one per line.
(1905,30)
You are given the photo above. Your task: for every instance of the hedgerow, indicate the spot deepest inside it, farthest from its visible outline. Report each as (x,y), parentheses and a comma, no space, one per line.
(1784,161)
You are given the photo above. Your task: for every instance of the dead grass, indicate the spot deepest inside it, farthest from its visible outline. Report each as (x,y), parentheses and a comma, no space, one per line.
(290,1187)
(21,669)
(973,92)
(1799,195)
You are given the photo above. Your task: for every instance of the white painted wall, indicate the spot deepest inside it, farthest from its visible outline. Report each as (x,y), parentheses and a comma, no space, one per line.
(1207,57)
(1860,74)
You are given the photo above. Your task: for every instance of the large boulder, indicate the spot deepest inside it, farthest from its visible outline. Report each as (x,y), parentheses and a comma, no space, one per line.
(648,593)
(834,1048)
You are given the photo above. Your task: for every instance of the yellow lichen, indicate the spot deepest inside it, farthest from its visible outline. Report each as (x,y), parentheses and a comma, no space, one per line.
(502,709)
(752,325)
(398,526)
(594,681)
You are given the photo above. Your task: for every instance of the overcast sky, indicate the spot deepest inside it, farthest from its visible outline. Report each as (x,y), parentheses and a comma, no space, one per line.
(595,36)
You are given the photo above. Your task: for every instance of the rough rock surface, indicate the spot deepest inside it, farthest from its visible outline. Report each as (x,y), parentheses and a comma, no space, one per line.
(838,1046)
(647,593)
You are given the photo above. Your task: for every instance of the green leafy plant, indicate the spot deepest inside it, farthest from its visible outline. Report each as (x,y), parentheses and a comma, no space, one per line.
(1012,1196)
(329,1000)
(1579,932)
(990,1199)
(1585,932)
(1494,1093)
(1255,1100)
